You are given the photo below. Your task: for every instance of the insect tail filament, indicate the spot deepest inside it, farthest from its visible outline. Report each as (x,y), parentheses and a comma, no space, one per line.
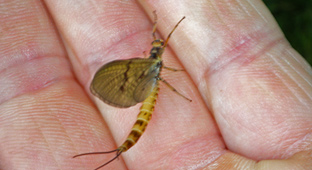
(118,153)
(138,128)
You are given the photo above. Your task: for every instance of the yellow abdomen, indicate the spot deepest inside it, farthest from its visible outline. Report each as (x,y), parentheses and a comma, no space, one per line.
(144,116)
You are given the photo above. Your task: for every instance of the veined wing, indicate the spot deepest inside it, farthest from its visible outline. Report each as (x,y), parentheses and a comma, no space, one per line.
(146,86)
(117,82)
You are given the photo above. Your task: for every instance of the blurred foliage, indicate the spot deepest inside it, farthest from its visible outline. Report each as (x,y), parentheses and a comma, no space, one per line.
(295,19)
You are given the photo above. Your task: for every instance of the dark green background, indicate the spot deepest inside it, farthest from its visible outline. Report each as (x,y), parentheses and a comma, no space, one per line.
(295,19)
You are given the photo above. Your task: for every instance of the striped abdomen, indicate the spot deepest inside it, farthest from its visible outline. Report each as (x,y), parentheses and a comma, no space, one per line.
(144,116)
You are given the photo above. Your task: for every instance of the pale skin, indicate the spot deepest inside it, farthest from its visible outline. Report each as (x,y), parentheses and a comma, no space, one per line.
(251,92)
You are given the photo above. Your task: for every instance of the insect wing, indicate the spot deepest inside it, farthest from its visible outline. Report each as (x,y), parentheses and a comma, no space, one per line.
(115,82)
(146,86)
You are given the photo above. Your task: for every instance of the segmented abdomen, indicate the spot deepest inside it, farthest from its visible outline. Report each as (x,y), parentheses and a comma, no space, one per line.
(144,116)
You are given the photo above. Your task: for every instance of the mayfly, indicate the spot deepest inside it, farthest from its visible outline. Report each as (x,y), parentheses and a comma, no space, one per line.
(124,83)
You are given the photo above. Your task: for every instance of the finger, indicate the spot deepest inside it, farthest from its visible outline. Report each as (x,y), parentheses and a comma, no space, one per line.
(256,85)
(176,123)
(41,102)
(300,160)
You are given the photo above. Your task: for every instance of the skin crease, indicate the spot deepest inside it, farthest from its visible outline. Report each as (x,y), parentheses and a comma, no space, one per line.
(251,92)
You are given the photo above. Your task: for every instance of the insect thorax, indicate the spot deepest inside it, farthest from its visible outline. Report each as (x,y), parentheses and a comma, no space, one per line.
(156,52)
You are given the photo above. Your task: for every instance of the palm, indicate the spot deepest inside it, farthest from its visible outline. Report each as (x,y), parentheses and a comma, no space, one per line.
(251,92)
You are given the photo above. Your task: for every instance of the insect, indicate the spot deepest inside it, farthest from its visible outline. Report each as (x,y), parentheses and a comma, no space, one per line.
(124,83)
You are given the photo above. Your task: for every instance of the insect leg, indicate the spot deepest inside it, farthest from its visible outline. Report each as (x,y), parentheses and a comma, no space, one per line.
(173,89)
(173,69)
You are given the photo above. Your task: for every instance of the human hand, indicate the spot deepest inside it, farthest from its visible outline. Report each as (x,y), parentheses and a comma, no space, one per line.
(251,91)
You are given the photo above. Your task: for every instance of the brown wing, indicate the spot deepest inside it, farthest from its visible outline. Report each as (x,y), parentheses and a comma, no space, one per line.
(146,86)
(116,82)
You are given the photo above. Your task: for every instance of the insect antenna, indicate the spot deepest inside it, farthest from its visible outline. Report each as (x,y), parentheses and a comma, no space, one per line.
(166,42)
(155,24)
(118,153)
